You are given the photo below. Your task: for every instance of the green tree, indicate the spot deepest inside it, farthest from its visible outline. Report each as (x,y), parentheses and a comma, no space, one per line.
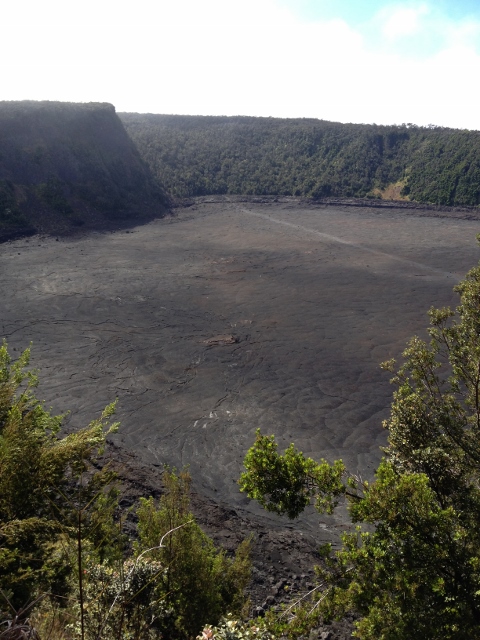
(411,569)
(51,496)
(199,583)
(59,535)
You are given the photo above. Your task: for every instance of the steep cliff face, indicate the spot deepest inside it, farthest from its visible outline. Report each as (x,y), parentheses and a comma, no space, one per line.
(66,165)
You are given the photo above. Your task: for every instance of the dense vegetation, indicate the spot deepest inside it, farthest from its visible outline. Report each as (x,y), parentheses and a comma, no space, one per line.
(64,165)
(411,569)
(199,155)
(64,558)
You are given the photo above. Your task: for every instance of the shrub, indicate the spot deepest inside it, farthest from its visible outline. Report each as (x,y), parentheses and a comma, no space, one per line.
(200,584)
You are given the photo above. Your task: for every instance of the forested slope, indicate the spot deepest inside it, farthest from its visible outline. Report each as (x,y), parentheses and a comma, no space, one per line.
(65,165)
(200,155)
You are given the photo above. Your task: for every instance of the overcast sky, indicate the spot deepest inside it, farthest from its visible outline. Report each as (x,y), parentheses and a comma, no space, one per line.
(343,60)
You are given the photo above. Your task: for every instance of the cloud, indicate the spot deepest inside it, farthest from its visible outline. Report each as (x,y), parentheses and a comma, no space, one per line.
(399,22)
(250,58)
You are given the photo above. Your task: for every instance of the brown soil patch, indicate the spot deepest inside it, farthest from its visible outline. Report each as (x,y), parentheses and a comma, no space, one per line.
(392,191)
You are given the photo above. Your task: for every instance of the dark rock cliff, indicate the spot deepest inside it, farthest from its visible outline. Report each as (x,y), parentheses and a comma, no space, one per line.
(65,166)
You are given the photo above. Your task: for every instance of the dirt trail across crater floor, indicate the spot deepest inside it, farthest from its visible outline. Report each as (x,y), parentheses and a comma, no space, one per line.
(231,316)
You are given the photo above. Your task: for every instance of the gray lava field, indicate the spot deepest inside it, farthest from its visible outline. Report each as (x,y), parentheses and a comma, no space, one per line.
(232,316)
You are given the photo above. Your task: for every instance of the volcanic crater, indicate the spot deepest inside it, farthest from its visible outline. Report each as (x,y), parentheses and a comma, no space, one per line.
(232,315)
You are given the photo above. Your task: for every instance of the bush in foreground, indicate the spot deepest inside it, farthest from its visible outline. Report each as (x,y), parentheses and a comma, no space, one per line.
(64,561)
(411,570)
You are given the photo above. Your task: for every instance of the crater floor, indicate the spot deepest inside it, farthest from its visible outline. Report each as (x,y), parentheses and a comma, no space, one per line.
(233,316)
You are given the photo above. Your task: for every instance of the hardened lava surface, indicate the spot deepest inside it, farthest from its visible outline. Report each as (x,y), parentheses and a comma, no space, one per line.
(232,316)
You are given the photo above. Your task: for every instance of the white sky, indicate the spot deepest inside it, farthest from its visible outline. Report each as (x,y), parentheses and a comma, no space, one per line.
(386,62)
